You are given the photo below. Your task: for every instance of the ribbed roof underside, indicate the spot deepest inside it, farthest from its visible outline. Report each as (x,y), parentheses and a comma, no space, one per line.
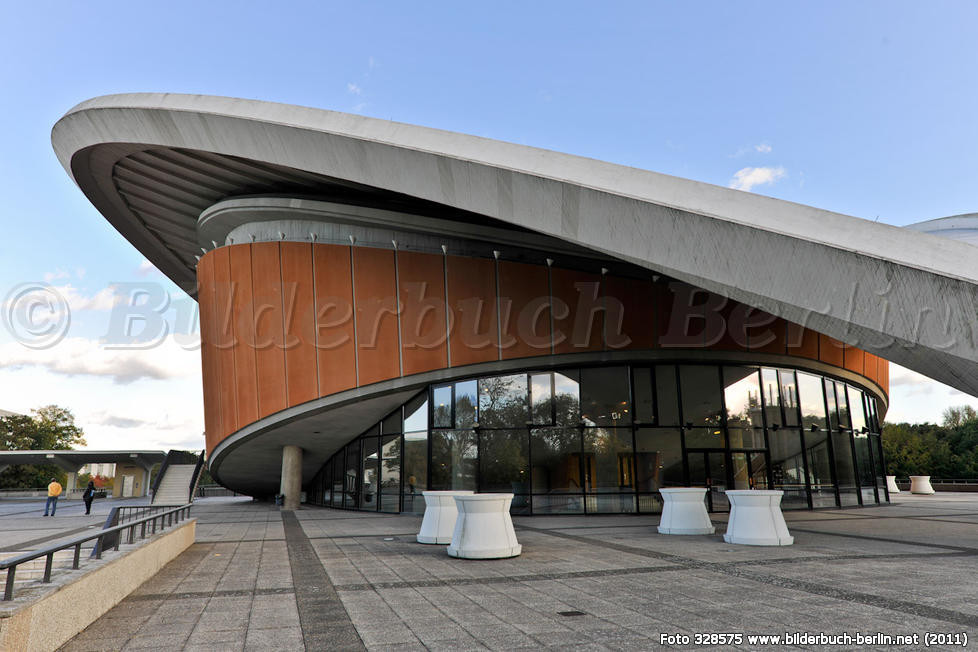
(166,189)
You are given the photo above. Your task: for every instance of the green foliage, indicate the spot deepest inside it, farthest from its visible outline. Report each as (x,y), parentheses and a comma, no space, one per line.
(943,451)
(49,428)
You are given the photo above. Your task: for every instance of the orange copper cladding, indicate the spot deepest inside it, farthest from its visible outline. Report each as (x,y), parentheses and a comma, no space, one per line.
(524,303)
(277,322)
(421,297)
(376,307)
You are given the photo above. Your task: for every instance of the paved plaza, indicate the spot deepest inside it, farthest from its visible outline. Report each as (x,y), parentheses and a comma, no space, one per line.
(22,526)
(262,579)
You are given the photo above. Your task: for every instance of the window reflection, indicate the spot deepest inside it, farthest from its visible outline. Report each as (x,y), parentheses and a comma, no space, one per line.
(658,459)
(605,397)
(666,396)
(742,397)
(504,465)
(541,398)
(700,389)
(644,391)
(563,442)
(567,398)
(556,474)
(789,397)
(453,457)
(812,401)
(772,398)
(466,404)
(442,412)
(502,401)
(856,412)
(788,467)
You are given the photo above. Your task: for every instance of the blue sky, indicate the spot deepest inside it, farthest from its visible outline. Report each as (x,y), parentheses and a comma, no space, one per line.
(863,108)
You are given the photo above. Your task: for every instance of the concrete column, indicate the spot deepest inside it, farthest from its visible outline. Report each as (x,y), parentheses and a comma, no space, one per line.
(71,483)
(291,486)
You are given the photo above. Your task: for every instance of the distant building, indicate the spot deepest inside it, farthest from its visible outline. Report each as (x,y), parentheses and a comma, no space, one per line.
(104,470)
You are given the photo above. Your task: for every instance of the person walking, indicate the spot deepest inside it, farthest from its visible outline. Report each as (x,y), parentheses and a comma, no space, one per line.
(88,497)
(54,490)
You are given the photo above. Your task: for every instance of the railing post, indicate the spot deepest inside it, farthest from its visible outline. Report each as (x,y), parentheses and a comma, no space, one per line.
(74,563)
(8,593)
(48,563)
(142,534)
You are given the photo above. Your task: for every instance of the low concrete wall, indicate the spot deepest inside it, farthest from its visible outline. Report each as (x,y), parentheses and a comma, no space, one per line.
(49,621)
(939,487)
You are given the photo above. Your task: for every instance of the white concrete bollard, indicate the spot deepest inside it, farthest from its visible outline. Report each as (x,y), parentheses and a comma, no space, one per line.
(440,515)
(756,518)
(920,484)
(891,484)
(684,511)
(484,529)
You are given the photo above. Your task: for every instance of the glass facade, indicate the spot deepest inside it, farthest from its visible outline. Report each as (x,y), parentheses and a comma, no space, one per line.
(606,440)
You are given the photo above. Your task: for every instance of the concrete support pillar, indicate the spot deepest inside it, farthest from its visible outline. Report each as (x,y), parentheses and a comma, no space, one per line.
(71,483)
(291,486)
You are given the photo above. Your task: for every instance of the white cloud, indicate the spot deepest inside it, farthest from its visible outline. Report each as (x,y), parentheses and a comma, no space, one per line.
(56,275)
(763,148)
(76,356)
(746,178)
(104,299)
(146,268)
(353,89)
(915,398)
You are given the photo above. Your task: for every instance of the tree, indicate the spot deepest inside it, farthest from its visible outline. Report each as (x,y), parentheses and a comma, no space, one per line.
(958,415)
(49,428)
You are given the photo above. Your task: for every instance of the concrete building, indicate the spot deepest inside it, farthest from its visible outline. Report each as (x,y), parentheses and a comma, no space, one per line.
(133,466)
(388,308)
(104,470)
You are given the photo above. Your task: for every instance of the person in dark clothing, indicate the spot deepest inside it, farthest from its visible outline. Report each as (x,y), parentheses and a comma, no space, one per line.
(88,497)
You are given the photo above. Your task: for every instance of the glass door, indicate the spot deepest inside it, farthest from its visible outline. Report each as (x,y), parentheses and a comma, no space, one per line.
(749,469)
(708,468)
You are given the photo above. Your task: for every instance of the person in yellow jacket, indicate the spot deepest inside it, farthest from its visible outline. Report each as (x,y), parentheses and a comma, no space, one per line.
(54,490)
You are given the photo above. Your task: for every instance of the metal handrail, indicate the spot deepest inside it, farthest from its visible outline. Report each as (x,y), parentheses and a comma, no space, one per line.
(196,476)
(165,519)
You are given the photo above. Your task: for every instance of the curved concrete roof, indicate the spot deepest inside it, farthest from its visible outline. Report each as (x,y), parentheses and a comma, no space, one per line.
(956,227)
(152,162)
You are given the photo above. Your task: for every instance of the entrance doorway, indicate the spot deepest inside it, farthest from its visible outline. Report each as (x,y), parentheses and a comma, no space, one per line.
(708,468)
(749,469)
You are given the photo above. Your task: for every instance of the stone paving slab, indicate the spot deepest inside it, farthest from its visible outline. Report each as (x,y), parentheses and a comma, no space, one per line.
(258,578)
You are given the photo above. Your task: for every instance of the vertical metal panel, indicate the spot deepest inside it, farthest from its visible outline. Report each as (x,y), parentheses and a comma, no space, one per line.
(243,328)
(335,344)
(802,342)
(421,292)
(575,295)
(830,351)
(223,335)
(472,300)
(853,359)
(266,270)
(769,338)
(524,300)
(208,353)
(300,323)
(376,324)
(637,317)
